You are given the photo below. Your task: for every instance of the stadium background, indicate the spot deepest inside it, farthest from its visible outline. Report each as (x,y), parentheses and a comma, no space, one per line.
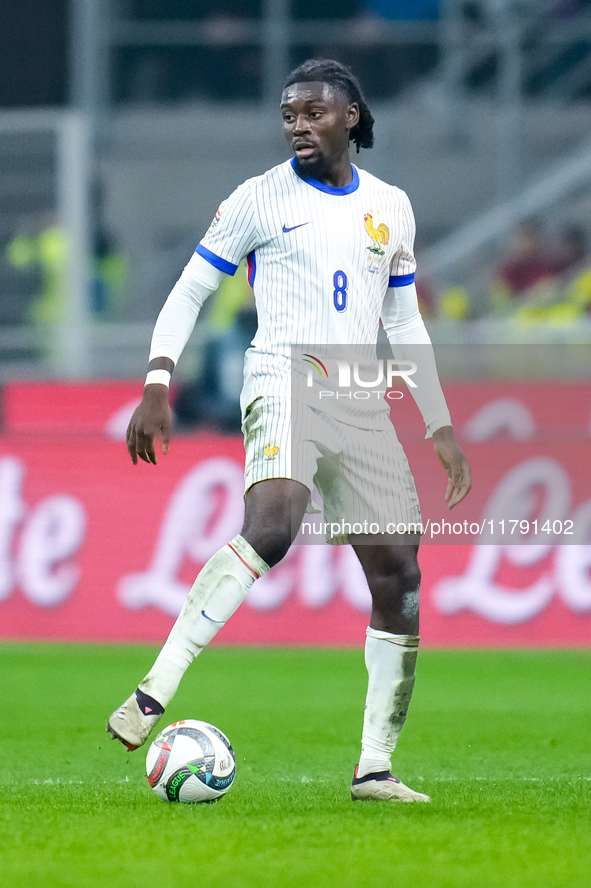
(119,135)
(122,125)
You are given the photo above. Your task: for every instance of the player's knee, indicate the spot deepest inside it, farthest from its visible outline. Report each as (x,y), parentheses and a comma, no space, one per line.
(276,545)
(409,576)
(395,582)
(271,543)
(401,569)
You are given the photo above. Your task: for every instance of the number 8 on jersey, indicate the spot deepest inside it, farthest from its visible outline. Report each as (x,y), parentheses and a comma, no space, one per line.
(340,290)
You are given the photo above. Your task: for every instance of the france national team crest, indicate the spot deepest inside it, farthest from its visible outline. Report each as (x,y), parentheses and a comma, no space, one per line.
(271,451)
(380,235)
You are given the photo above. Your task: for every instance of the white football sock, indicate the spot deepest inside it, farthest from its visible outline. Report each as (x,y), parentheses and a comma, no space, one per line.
(390,661)
(220,588)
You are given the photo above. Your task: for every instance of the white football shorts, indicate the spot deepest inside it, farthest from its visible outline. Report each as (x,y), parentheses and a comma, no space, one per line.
(363,475)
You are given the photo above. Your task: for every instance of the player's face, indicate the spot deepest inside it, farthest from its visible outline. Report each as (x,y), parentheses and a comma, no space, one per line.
(317,120)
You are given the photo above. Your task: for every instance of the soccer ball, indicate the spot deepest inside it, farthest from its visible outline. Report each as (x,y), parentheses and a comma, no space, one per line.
(190,761)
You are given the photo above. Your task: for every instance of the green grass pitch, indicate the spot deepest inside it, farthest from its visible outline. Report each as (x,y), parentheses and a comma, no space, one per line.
(500,740)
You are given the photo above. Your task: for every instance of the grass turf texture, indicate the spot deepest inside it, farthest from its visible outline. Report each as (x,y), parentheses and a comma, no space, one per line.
(499,739)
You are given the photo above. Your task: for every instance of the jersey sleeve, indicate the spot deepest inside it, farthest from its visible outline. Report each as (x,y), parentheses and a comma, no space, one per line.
(233,233)
(403,265)
(406,330)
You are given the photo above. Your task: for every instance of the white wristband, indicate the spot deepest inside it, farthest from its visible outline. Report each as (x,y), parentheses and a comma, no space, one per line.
(158,377)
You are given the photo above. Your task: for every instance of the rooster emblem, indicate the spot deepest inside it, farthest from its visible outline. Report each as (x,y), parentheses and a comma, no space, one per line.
(271,451)
(380,235)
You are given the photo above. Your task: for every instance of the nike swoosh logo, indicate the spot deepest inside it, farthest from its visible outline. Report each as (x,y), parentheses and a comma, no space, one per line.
(293,227)
(211,619)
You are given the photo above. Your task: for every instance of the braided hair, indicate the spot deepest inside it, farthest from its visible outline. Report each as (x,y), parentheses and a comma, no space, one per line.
(340,77)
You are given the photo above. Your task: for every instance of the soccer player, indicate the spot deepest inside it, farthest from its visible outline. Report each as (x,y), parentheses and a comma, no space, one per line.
(330,253)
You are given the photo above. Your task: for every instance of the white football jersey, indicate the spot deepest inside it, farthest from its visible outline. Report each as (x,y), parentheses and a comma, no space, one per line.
(320,261)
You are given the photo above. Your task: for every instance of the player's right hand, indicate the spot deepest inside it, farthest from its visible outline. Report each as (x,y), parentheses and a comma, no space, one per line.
(151,420)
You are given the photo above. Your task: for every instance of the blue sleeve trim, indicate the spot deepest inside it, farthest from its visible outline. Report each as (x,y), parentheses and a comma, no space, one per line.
(216,261)
(401,280)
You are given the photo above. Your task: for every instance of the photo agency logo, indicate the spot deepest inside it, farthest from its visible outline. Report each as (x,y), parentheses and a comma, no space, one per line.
(358,379)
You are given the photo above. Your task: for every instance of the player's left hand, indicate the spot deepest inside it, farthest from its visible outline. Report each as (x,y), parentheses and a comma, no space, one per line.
(451,457)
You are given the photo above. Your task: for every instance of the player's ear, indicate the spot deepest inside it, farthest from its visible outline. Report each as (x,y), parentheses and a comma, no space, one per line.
(352,115)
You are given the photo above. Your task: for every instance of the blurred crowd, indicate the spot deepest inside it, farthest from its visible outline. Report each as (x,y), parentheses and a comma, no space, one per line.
(544,277)
(36,256)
